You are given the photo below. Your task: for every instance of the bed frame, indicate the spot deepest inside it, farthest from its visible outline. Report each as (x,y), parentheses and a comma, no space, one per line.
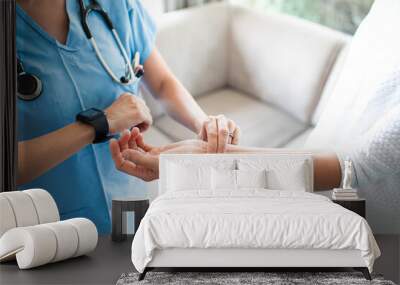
(240,260)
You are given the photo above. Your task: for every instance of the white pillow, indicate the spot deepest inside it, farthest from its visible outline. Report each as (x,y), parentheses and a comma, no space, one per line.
(182,177)
(223,179)
(226,179)
(293,180)
(282,174)
(251,178)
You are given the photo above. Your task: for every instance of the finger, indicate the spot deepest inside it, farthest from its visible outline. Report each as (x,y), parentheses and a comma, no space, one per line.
(135,132)
(115,149)
(124,139)
(132,143)
(203,132)
(141,159)
(223,133)
(116,153)
(127,166)
(212,135)
(231,129)
(140,142)
(236,136)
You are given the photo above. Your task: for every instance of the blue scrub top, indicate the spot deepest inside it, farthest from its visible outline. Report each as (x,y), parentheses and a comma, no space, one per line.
(73,81)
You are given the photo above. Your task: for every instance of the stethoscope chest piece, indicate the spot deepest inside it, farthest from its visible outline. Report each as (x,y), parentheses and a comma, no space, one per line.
(29,86)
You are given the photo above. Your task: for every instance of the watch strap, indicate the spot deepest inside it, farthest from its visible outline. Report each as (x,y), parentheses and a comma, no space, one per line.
(98,122)
(101,128)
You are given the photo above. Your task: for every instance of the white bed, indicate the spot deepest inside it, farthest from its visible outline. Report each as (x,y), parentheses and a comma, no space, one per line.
(248,227)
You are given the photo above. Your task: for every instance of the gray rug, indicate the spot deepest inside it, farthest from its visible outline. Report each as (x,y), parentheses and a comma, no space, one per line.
(268,278)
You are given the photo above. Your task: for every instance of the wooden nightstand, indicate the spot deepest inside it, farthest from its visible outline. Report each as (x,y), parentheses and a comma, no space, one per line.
(357,205)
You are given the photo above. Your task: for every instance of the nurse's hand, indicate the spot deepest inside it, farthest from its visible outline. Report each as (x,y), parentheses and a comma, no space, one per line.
(126,112)
(218,132)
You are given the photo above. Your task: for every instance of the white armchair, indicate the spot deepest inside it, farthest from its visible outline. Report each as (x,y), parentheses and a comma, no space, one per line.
(266,71)
(271,73)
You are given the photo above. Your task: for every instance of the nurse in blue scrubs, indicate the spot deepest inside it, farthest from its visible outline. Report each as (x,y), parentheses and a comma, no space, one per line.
(64,128)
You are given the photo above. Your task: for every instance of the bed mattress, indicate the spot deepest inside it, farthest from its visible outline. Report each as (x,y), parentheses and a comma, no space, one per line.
(250,219)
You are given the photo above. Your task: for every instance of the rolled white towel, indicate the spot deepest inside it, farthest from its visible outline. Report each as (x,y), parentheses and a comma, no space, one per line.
(23,208)
(67,240)
(87,234)
(40,244)
(32,246)
(7,218)
(45,205)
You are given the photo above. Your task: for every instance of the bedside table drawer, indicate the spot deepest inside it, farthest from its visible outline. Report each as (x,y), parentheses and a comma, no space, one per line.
(356,206)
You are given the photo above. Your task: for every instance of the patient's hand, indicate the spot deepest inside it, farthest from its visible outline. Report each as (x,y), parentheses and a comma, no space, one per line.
(134,157)
(128,157)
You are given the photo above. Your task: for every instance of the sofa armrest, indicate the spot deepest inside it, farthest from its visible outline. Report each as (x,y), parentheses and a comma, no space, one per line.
(281,59)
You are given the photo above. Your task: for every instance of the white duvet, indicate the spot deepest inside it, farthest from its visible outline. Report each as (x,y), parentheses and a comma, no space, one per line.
(250,219)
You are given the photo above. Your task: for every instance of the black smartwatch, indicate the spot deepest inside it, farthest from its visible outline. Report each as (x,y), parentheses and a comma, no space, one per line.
(98,120)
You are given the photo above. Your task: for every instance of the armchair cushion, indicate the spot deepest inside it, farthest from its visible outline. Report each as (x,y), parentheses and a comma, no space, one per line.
(299,141)
(261,124)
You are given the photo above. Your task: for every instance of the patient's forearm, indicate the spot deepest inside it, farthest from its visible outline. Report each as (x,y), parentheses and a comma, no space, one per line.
(327,171)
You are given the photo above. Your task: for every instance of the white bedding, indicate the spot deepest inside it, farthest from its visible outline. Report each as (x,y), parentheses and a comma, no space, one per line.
(252,218)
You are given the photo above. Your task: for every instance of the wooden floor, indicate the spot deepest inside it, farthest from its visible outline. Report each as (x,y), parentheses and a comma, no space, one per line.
(389,262)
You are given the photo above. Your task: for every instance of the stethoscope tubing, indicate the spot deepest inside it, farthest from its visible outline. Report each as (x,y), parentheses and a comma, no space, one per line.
(129,77)
(132,79)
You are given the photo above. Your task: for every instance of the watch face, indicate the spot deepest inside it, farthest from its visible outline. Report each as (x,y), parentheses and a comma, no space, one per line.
(91,114)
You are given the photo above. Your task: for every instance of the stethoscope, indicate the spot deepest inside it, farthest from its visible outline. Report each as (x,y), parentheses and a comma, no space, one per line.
(30,86)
